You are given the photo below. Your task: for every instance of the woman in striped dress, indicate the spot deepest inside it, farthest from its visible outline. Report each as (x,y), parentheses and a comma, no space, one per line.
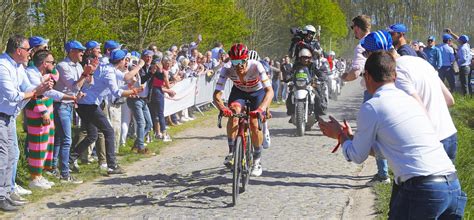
(40,122)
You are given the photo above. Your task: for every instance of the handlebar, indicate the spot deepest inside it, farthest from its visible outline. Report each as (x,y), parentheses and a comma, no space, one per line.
(239,115)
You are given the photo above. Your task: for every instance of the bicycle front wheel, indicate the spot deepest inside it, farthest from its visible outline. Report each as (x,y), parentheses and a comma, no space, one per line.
(237,169)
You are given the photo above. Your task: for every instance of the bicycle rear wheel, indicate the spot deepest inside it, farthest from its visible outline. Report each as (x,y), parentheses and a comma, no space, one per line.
(237,169)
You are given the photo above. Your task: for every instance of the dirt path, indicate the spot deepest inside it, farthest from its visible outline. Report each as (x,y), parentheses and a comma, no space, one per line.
(301,178)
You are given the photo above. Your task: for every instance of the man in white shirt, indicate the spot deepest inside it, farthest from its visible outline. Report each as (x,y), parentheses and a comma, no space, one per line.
(399,128)
(419,79)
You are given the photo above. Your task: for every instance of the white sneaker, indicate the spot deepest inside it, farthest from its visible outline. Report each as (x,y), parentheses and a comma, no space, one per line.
(266,136)
(38,184)
(191,118)
(167,138)
(378,180)
(257,168)
(47,182)
(147,138)
(103,167)
(21,191)
(184,119)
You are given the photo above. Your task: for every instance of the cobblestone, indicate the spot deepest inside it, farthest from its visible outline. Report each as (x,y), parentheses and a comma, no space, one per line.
(301,178)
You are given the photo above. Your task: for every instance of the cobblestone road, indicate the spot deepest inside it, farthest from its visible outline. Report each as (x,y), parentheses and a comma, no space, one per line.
(301,178)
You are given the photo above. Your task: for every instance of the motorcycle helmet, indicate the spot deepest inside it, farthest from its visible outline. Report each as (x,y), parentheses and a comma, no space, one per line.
(238,52)
(309,29)
(305,53)
(253,55)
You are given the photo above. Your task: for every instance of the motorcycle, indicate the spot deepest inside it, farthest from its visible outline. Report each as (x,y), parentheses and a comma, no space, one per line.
(303,100)
(335,81)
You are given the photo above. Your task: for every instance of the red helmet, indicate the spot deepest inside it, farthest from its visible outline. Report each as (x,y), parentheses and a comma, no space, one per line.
(238,52)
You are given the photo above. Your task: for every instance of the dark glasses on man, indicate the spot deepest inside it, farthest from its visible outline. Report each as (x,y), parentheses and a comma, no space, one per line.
(238,62)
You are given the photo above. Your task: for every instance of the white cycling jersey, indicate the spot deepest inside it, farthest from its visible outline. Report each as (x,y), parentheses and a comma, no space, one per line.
(255,79)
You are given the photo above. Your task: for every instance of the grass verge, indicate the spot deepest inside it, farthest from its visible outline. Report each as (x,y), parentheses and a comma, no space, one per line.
(463,117)
(90,171)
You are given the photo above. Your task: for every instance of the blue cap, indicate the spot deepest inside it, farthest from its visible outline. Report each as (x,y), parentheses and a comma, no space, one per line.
(463,38)
(433,38)
(135,54)
(398,28)
(111,44)
(378,40)
(118,54)
(447,37)
(148,53)
(37,41)
(74,44)
(92,44)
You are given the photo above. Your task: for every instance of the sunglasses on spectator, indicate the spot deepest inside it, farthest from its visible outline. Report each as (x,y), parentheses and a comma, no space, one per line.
(26,49)
(238,62)
(52,62)
(352,27)
(305,58)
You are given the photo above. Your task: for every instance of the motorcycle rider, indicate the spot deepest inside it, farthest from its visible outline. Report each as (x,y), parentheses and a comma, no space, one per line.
(304,39)
(318,71)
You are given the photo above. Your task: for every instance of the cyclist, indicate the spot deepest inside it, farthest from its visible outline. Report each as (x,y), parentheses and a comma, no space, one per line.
(253,55)
(250,83)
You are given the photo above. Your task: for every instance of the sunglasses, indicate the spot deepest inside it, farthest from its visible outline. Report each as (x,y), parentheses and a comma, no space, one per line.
(26,49)
(352,27)
(52,62)
(238,62)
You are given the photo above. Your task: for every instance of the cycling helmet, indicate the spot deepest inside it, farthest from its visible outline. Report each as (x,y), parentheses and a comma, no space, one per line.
(253,55)
(309,28)
(305,53)
(238,52)
(332,53)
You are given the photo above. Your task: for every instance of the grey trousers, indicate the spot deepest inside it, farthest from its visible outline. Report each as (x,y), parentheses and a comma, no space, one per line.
(7,155)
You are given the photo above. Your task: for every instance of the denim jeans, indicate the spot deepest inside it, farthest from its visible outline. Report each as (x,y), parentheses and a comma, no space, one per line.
(382,165)
(93,119)
(430,200)
(7,154)
(16,153)
(447,72)
(157,105)
(142,116)
(275,86)
(63,113)
(464,78)
(450,145)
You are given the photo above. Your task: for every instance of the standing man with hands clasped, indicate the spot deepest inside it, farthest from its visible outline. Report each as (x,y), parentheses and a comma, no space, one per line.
(396,125)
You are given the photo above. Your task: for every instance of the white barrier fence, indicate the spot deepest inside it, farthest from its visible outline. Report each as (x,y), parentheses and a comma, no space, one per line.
(194,91)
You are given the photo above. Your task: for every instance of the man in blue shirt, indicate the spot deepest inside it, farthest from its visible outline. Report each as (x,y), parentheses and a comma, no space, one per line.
(93,119)
(464,58)
(447,54)
(15,91)
(398,31)
(433,53)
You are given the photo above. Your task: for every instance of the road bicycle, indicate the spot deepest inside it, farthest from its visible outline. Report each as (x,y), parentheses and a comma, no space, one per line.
(243,152)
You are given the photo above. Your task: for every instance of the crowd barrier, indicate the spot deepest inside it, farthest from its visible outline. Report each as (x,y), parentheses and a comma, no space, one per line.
(194,91)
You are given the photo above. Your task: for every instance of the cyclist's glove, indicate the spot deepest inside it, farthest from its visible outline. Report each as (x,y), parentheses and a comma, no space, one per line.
(258,111)
(226,112)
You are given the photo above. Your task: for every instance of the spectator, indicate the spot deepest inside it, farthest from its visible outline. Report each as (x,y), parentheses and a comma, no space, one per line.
(92,117)
(40,124)
(447,54)
(14,88)
(361,27)
(37,43)
(420,165)
(161,85)
(464,58)
(109,46)
(433,53)
(398,32)
(286,67)
(71,78)
(92,56)
(218,48)
(417,46)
